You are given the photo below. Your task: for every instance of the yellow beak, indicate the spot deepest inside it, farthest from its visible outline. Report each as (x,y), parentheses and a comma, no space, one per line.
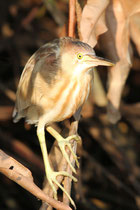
(97,61)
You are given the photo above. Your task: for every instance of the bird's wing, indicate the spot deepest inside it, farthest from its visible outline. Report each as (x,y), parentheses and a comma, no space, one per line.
(39,71)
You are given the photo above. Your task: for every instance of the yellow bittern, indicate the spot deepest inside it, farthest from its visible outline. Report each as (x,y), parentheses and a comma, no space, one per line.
(54,85)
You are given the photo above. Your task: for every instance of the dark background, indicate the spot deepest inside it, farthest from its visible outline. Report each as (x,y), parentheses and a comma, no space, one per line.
(110,172)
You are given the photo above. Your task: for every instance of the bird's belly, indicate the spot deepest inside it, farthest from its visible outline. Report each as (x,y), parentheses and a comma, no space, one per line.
(66,100)
(76,97)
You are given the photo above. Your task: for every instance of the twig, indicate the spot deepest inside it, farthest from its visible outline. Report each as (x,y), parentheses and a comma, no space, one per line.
(78,17)
(67,181)
(23,176)
(72,20)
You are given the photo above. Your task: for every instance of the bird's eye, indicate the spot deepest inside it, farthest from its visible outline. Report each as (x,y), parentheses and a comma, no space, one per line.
(79,56)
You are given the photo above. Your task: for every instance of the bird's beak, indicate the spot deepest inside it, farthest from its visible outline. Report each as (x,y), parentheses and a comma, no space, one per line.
(97,61)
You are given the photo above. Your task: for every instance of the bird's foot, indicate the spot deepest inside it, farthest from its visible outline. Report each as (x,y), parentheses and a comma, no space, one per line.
(52,175)
(63,142)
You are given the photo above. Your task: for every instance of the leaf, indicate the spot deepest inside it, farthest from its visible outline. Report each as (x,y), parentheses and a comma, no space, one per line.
(119,73)
(123,23)
(123,12)
(93,21)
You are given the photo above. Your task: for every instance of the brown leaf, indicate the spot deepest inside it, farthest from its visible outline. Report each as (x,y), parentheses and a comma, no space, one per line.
(123,14)
(118,75)
(117,47)
(120,20)
(92,25)
(93,21)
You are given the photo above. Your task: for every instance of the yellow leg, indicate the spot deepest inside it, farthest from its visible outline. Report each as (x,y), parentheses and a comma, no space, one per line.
(50,174)
(63,142)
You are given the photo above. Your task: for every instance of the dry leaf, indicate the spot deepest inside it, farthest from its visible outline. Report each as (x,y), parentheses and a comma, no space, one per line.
(122,21)
(93,21)
(123,12)
(119,51)
(92,25)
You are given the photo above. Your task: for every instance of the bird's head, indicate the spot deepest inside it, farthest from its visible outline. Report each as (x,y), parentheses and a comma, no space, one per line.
(78,57)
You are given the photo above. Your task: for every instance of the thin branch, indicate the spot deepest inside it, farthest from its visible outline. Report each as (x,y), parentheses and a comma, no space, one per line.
(23,176)
(67,181)
(78,17)
(72,19)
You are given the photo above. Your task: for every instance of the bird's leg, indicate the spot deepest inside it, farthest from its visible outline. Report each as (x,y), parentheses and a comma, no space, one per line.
(63,142)
(50,174)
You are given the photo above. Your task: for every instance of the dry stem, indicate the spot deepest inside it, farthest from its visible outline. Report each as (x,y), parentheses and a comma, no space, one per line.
(72,20)
(23,176)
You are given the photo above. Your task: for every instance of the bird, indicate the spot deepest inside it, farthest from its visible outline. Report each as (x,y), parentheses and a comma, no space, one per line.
(54,86)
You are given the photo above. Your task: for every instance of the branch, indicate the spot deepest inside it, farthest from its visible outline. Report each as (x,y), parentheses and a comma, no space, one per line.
(23,176)
(67,181)
(78,17)
(72,20)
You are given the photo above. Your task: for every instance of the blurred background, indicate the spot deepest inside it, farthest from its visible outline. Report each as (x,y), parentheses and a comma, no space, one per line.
(109,176)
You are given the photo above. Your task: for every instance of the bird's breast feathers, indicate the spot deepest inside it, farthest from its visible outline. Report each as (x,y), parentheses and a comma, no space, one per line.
(72,95)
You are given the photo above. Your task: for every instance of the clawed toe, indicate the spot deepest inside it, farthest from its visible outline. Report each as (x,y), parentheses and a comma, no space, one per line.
(73,137)
(62,144)
(64,173)
(52,179)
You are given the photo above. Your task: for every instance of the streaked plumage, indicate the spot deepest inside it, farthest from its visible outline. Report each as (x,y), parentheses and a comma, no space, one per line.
(37,95)
(54,85)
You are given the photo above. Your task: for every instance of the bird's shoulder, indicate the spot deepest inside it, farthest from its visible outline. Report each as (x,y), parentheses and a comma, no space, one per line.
(44,61)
